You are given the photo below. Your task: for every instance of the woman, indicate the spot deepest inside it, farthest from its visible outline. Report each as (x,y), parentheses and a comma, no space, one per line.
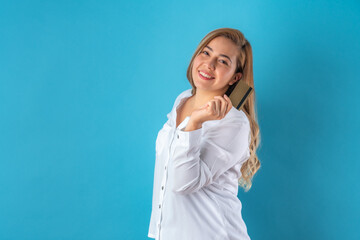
(207,147)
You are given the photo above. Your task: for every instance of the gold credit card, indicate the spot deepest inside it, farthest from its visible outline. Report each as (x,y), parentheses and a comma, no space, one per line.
(238,93)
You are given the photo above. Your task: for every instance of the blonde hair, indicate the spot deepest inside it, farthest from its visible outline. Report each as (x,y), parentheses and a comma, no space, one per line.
(245,66)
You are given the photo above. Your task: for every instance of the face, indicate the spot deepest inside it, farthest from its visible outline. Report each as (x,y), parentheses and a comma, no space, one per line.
(217,60)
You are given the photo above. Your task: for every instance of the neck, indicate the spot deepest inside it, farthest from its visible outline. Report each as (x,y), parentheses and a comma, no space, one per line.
(203,96)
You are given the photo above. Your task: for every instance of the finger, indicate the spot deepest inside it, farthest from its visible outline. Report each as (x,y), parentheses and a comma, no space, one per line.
(224,105)
(217,104)
(229,103)
(213,107)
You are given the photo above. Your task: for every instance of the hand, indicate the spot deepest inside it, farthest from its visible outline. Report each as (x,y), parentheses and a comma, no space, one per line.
(215,109)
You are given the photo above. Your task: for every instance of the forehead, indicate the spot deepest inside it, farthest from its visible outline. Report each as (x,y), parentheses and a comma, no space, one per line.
(222,45)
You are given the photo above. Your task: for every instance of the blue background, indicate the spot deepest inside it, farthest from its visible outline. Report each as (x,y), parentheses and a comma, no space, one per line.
(86,85)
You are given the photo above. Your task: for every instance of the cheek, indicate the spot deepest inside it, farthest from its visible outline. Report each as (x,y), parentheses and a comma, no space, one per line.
(224,74)
(196,62)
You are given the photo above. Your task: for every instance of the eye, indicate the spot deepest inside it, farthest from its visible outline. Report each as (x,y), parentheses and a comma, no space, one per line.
(205,52)
(224,62)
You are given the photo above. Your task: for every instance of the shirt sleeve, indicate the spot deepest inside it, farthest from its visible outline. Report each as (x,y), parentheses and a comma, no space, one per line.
(199,159)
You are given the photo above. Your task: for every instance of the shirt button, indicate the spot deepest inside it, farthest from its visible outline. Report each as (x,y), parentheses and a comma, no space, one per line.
(162,188)
(159,205)
(178,136)
(165,167)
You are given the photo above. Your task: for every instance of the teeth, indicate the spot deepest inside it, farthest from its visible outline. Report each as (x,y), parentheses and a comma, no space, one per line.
(205,75)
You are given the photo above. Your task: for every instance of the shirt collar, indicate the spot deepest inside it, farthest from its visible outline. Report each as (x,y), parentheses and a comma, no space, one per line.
(232,114)
(172,115)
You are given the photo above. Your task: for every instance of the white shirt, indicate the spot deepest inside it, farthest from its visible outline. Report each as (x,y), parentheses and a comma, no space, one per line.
(196,178)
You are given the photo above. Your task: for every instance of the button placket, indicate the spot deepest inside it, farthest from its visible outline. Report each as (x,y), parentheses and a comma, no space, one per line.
(163,184)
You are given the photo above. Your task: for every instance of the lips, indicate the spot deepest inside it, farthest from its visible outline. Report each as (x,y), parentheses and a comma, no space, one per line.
(202,77)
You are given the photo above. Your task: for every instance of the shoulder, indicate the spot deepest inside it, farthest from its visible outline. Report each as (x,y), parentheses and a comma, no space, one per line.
(181,95)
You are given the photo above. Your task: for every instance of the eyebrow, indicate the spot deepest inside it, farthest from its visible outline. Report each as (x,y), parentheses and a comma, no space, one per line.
(223,55)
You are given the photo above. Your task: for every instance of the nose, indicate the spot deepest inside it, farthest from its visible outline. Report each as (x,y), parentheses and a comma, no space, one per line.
(211,64)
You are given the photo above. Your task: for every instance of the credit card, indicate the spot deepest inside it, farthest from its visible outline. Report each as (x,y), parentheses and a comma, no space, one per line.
(238,93)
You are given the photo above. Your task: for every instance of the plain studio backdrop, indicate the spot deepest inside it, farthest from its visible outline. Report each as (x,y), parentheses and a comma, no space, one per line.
(86,85)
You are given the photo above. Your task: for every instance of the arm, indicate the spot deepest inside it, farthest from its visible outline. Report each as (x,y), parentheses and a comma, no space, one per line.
(222,147)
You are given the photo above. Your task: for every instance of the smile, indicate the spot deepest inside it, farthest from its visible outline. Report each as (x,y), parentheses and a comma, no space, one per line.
(204,76)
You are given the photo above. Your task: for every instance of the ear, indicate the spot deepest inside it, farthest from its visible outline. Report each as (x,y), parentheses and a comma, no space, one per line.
(236,78)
